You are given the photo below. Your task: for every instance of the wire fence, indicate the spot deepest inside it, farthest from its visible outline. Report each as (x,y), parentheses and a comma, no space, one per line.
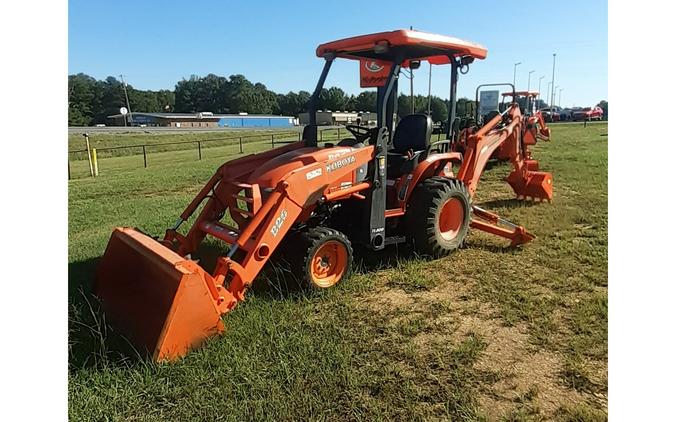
(109,160)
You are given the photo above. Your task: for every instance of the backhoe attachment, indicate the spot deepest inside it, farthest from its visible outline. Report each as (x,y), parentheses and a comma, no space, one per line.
(527,183)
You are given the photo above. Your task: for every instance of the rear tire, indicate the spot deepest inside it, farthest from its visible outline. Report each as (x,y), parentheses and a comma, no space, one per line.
(321,257)
(438,216)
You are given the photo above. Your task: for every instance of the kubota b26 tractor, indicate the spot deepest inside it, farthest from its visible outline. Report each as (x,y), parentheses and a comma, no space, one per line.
(385,185)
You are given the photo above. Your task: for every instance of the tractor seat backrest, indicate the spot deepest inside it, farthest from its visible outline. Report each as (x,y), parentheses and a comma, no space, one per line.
(413,132)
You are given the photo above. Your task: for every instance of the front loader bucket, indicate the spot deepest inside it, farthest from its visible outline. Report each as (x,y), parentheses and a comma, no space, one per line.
(532,184)
(156,298)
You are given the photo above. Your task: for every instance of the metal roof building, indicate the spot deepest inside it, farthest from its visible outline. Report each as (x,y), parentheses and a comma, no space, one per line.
(328,117)
(203,119)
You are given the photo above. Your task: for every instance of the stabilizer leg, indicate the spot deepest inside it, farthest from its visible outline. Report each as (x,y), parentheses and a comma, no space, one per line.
(490,224)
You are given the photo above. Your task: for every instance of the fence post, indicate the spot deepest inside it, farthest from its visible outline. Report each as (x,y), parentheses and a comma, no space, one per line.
(338,137)
(145,158)
(68,166)
(91,166)
(199,148)
(321,135)
(272,141)
(94,157)
(299,136)
(241,146)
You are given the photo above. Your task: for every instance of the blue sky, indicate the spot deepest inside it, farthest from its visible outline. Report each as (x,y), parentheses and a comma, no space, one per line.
(156,43)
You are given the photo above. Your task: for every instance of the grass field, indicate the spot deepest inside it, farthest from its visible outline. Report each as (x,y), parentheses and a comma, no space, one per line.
(488,333)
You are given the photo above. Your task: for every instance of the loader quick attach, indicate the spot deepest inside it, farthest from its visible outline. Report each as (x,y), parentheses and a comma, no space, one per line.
(308,202)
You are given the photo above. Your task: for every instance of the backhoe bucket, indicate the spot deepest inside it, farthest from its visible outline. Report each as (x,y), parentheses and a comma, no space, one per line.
(532,184)
(156,298)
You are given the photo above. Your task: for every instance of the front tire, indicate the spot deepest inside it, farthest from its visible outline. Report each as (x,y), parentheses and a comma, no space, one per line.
(322,257)
(438,217)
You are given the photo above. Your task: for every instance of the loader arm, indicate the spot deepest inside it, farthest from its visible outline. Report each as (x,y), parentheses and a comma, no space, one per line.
(163,299)
(233,170)
(257,236)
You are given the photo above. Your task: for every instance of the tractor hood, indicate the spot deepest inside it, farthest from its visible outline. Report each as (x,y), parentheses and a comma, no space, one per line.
(270,173)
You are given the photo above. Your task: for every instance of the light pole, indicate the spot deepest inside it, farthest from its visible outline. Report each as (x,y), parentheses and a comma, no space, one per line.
(528,79)
(548,93)
(553,95)
(559,97)
(553,81)
(541,97)
(514,74)
(131,117)
(540,78)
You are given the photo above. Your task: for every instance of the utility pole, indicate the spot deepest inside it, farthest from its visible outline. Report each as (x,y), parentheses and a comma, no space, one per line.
(429,97)
(126,96)
(553,81)
(528,79)
(514,74)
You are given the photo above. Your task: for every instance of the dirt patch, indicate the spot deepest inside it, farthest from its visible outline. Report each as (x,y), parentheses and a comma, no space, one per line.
(515,376)
(388,301)
(523,376)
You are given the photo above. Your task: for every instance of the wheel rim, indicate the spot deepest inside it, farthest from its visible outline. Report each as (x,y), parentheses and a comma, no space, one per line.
(329,264)
(451,218)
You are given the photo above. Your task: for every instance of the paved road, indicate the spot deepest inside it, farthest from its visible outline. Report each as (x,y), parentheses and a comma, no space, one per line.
(129,129)
(136,129)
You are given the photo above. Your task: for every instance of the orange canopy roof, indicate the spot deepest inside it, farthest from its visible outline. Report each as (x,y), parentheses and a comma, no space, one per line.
(415,45)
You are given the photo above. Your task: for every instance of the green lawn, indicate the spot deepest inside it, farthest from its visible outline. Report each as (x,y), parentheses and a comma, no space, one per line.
(488,333)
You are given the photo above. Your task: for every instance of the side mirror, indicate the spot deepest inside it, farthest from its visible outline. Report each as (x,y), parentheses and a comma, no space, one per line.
(415,64)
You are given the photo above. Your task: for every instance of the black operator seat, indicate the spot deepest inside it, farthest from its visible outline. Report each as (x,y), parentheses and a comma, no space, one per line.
(411,139)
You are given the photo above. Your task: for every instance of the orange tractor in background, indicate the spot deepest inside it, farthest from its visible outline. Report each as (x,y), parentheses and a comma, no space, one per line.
(533,124)
(384,185)
(534,127)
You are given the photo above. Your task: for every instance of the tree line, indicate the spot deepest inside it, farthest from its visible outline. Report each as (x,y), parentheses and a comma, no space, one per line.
(90,101)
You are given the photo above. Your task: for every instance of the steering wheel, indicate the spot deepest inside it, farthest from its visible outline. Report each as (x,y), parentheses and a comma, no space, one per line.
(361,133)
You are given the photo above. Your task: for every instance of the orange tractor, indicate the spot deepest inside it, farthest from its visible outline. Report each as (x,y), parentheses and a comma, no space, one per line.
(385,185)
(534,126)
